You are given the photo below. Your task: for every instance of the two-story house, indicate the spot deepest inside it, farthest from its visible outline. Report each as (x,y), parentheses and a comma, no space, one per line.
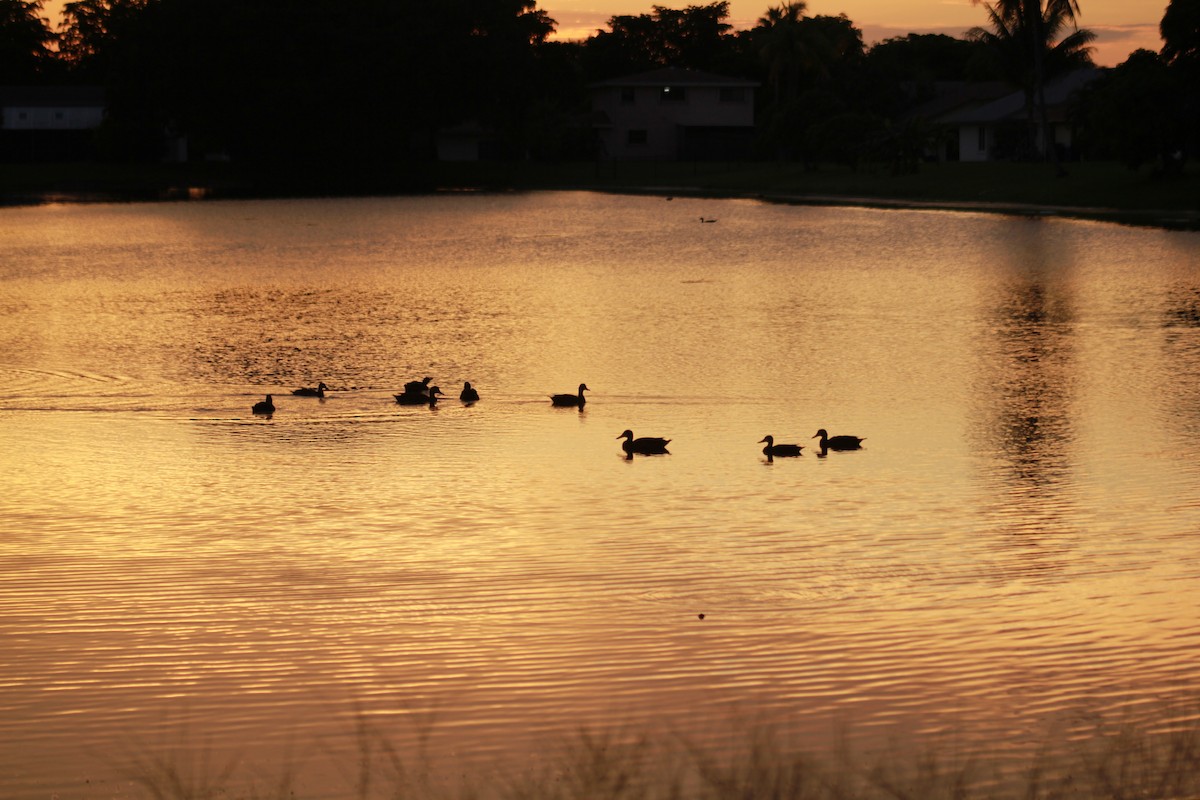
(674,114)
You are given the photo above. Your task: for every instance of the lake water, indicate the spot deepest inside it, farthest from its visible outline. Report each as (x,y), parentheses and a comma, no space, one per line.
(1012,558)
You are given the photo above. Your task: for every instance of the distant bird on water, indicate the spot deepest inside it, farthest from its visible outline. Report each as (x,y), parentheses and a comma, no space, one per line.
(838,442)
(414,399)
(781,450)
(576,400)
(264,407)
(647,445)
(468,395)
(708,219)
(308,391)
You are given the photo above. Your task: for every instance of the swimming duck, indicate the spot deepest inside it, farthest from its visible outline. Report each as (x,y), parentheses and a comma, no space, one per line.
(838,442)
(646,445)
(417,387)
(308,391)
(430,399)
(707,219)
(264,407)
(469,395)
(773,449)
(570,399)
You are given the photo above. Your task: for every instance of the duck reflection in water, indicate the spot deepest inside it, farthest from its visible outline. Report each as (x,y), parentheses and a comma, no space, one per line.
(781,450)
(570,400)
(646,445)
(264,407)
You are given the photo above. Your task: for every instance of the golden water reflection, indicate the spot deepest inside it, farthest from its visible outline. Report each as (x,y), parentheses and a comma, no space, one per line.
(1012,553)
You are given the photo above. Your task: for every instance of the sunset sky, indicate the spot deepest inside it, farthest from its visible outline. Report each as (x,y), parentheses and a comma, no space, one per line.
(1122,25)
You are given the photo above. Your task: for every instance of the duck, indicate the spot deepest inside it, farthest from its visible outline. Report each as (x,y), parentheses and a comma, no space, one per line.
(417,387)
(308,391)
(646,445)
(408,399)
(576,400)
(708,219)
(468,395)
(838,442)
(264,407)
(781,450)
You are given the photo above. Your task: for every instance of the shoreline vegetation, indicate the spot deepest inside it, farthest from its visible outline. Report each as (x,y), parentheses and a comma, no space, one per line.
(757,763)
(1097,191)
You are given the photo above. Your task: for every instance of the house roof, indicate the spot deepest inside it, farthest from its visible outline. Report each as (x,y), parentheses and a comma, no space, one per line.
(52,96)
(1012,106)
(675,76)
(951,96)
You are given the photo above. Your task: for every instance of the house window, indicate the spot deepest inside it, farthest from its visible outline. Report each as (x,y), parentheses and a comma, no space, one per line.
(982,138)
(628,96)
(636,136)
(733,94)
(673,94)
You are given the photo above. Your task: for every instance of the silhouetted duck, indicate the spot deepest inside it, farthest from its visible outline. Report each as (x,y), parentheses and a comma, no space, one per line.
(469,395)
(308,391)
(773,449)
(417,387)
(647,445)
(576,400)
(264,407)
(708,219)
(838,442)
(430,399)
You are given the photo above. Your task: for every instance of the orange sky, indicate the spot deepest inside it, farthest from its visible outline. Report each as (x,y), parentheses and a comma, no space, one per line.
(1122,25)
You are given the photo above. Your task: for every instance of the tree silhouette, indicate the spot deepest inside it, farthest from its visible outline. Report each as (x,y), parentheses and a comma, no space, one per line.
(786,49)
(1180,28)
(1132,113)
(324,83)
(696,37)
(810,63)
(26,41)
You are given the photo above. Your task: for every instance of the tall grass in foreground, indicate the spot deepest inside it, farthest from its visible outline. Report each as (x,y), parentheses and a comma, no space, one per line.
(758,764)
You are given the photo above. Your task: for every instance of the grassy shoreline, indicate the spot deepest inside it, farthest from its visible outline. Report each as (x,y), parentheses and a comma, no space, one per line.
(1101,191)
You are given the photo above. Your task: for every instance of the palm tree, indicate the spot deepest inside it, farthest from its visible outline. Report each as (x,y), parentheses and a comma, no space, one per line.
(1035,43)
(784,49)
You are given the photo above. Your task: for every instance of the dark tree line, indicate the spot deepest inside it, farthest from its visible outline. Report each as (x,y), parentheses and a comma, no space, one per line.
(1147,109)
(360,81)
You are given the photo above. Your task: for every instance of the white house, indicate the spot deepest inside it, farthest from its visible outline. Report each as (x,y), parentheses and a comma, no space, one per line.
(994,130)
(674,114)
(51,107)
(48,122)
